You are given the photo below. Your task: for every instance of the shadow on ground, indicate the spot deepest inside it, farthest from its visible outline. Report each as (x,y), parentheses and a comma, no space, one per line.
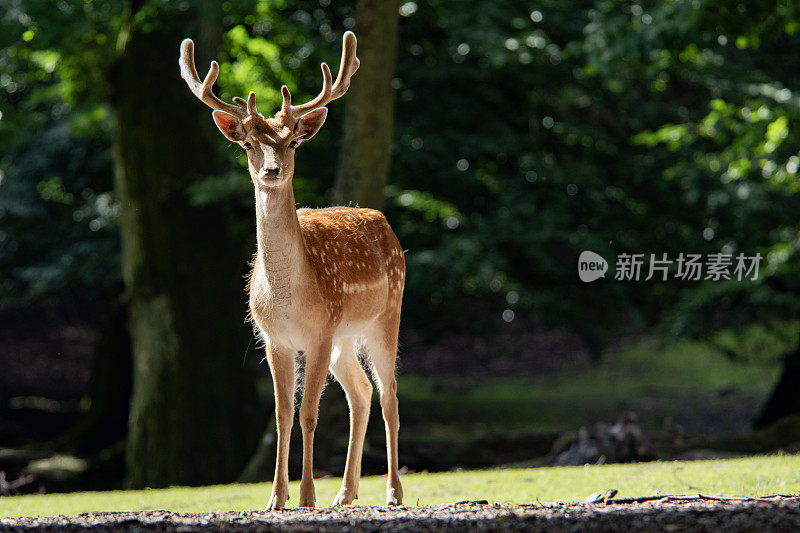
(779,513)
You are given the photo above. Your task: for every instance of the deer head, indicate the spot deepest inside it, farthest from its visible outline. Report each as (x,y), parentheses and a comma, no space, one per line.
(270,142)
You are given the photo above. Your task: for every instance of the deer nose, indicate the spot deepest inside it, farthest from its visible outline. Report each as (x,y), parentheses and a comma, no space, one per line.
(271,172)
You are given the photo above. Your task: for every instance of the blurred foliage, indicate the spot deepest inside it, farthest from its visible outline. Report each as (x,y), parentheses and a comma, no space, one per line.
(726,141)
(57,215)
(525,133)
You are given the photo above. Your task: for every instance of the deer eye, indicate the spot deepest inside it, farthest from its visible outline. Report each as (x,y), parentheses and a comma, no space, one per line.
(293,144)
(248,146)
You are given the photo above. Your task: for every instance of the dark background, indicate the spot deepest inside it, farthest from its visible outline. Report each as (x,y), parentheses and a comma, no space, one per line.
(523,134)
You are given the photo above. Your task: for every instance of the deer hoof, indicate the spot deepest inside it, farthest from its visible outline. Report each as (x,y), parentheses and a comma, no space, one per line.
(276,501)
(343,498)
(394,497)
(307,498)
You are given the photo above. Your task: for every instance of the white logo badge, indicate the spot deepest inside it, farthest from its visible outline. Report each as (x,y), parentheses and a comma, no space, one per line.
(591,266)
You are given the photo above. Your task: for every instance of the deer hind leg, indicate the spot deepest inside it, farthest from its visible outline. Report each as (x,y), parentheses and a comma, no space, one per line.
(382,345)
(348,372)
(316,372)
(281,365)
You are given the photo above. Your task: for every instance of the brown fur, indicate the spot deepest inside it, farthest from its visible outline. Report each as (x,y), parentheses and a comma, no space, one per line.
(322,281)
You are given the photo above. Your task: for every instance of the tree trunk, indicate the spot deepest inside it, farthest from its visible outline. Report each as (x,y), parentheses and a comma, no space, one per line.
(784,399)
(369,110)
(106,422)
(193,417)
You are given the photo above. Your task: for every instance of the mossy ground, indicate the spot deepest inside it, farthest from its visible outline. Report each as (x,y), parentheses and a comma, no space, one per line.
(759,475)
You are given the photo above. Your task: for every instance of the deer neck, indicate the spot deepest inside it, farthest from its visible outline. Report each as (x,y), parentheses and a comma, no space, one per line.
(281,249)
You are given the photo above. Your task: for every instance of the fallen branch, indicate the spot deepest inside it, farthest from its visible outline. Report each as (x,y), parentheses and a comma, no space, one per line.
(698,497)
(9,487)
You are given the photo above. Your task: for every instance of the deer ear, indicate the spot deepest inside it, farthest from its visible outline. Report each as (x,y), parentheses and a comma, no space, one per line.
(309,124)
(230,126)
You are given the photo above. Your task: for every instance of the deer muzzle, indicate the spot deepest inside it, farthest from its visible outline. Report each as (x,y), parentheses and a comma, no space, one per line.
(269,173)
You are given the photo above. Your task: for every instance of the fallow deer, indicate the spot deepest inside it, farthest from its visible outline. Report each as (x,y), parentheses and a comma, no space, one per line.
(322,282)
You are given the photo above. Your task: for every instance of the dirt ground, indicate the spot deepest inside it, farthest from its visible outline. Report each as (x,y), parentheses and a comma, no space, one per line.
(779,513)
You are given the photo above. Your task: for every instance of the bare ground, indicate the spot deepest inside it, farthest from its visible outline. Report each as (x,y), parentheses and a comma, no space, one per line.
(779,513)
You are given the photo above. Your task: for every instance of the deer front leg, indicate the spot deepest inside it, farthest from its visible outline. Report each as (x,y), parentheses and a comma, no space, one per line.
(316,371)
(281,364)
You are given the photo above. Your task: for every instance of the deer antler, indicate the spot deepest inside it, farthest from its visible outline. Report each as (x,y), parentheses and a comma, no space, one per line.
(348,66)
(204,89)
(289,113)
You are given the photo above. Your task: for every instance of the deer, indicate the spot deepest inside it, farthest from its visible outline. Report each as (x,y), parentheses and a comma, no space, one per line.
(323,284)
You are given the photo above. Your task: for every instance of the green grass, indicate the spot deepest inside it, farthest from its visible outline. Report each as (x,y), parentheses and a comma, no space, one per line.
(674,379)
(752,476)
